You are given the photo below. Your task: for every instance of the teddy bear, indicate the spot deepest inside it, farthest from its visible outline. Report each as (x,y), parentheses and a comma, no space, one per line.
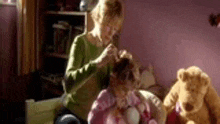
(192,99)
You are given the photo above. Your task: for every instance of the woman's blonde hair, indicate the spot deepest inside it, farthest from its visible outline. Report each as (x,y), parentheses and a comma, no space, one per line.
(105,10)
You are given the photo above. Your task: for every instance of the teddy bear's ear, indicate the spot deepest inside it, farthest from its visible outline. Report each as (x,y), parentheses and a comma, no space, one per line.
(182,75)
(205,79)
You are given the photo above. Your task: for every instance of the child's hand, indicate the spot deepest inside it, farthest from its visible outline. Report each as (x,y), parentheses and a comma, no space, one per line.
(108,56)
(124,54)
(121,102)
(141,108)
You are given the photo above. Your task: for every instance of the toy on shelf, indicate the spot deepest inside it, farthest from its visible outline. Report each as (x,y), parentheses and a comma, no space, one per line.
(214,20)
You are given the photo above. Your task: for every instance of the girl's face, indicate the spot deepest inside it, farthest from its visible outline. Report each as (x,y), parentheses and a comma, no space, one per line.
(122,90)
(109,29)
(134,83)
(131,83)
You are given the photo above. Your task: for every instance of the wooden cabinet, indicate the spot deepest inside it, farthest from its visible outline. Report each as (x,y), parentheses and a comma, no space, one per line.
(55,31)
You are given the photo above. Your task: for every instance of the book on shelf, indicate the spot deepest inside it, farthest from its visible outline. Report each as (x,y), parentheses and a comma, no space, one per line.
(59,26)
(61,36)
(52,78)
(69,41)
(75,30)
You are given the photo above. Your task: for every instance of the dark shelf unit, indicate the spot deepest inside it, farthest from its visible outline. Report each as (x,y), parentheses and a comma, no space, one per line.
(52,61)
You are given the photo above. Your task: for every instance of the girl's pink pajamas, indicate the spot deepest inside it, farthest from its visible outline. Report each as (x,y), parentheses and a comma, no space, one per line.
(106,100)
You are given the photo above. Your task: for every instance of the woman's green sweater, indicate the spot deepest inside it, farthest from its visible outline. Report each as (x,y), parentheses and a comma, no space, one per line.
(83,81)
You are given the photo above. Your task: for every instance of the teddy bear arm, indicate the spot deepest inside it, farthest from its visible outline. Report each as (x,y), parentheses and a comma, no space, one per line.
(213,101)
(169,102)
(171,98)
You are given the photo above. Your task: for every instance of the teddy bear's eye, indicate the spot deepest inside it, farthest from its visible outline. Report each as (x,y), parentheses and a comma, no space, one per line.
(205,82)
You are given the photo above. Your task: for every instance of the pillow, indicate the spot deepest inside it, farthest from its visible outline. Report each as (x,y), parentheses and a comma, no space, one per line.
(148,82)
(147,78)
(157,108)
(158,90)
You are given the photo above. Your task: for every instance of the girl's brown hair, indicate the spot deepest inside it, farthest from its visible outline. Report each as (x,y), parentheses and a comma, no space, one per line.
(123,69)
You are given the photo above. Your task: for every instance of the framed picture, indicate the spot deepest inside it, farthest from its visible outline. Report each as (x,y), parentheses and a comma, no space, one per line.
(8,2)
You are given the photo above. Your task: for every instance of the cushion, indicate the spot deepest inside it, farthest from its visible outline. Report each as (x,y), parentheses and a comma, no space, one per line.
(157,109)
(147,79)
(158,90)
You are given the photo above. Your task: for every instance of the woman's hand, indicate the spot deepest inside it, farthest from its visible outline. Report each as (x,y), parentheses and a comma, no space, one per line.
(109,55)
(124,54)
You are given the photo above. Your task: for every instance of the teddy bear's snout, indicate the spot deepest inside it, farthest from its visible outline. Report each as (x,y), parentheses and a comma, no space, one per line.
(188,106)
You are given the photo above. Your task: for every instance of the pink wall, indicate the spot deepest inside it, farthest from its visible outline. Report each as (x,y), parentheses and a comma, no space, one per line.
(173,34)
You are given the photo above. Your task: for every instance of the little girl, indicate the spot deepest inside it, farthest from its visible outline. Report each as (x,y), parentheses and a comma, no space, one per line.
(121,103)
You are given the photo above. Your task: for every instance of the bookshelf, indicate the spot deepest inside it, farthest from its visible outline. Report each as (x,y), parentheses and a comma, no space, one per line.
(56,31)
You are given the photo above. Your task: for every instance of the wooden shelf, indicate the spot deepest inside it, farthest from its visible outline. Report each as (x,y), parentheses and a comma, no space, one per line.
(57,55)
(75,13)
(52,89)
(53,81)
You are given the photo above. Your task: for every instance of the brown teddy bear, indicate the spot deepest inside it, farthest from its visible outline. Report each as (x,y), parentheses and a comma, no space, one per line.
(192,99)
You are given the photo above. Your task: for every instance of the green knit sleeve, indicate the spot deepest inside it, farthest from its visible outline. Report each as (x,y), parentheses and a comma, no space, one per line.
(77,72)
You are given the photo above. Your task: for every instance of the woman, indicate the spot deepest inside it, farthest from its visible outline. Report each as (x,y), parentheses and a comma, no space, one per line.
(91,56)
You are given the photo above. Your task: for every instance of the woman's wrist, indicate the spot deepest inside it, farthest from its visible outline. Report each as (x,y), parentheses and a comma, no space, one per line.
(97,64)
